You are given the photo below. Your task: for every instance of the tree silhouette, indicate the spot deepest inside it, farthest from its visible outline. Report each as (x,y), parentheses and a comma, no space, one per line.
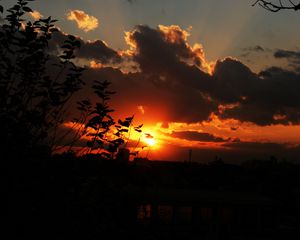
(104,134)
(275,7)
(36,87)
(33,100)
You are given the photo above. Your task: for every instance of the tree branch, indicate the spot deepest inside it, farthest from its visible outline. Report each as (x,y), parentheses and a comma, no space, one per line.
(272,7)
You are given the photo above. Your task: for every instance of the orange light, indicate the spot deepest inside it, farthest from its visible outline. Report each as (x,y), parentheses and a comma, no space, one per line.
(150,141)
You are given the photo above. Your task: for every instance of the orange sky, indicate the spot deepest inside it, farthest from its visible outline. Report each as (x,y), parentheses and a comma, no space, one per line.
(210,83)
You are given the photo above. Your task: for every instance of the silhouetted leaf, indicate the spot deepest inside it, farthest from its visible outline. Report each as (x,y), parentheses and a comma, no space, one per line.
(27,9)
(129,118)
(123,130)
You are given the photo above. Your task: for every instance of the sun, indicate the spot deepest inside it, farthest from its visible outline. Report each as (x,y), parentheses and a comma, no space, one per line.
(150,141)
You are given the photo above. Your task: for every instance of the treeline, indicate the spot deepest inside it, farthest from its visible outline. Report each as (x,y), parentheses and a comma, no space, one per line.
(90,197)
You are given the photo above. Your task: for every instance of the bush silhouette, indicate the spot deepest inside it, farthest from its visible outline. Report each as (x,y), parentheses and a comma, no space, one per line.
(32,100)
(35,87)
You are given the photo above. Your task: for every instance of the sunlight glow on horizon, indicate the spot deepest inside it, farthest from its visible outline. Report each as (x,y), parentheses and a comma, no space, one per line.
(150,141)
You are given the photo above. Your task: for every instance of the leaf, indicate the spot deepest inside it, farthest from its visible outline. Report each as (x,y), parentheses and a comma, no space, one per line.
(77,44)
(71,37)
(124,123)
(45,20)
(27,9)
(148,135)
(123,130)
(130,118)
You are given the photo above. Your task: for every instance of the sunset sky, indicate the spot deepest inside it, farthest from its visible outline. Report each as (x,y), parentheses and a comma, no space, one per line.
(219,77)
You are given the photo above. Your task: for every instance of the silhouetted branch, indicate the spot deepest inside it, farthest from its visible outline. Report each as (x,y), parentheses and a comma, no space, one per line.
(272,7)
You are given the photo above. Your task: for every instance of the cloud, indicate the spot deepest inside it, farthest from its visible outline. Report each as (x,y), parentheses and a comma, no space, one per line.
(167,45)
(131,1)
(97,51)
(94,64)
(84,21)
(232,80)
(175,83)
(256,146)
(256,48)
(141,109)
(35,15)
(287,54)
(292,56)
(165,125)
(231,153)
(174,69)
(257,98)
(265,149)
(253,49)
(196,136)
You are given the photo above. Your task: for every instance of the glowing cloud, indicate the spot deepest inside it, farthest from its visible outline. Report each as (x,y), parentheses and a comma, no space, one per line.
(94,64)
(84,21)
(149,140)
(35,15)
(141,109)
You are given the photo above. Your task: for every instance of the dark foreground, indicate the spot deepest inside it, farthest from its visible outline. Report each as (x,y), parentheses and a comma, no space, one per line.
(65,197)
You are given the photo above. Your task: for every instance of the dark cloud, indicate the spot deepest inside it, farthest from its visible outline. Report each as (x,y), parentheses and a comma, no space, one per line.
(98,50)
(256,146)
(165,52)
(196,136)
(264,149)
(292,56)
(231,153)
(164,55)
(165,125)
(173,67)
(89,50)
(162,102)
(270,97)
(130,1)
(256,48)
(233,81)
(287,54)
(253,49)
(173,86)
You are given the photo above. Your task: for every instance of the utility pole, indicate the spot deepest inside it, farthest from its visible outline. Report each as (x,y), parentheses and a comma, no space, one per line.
(190,155)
